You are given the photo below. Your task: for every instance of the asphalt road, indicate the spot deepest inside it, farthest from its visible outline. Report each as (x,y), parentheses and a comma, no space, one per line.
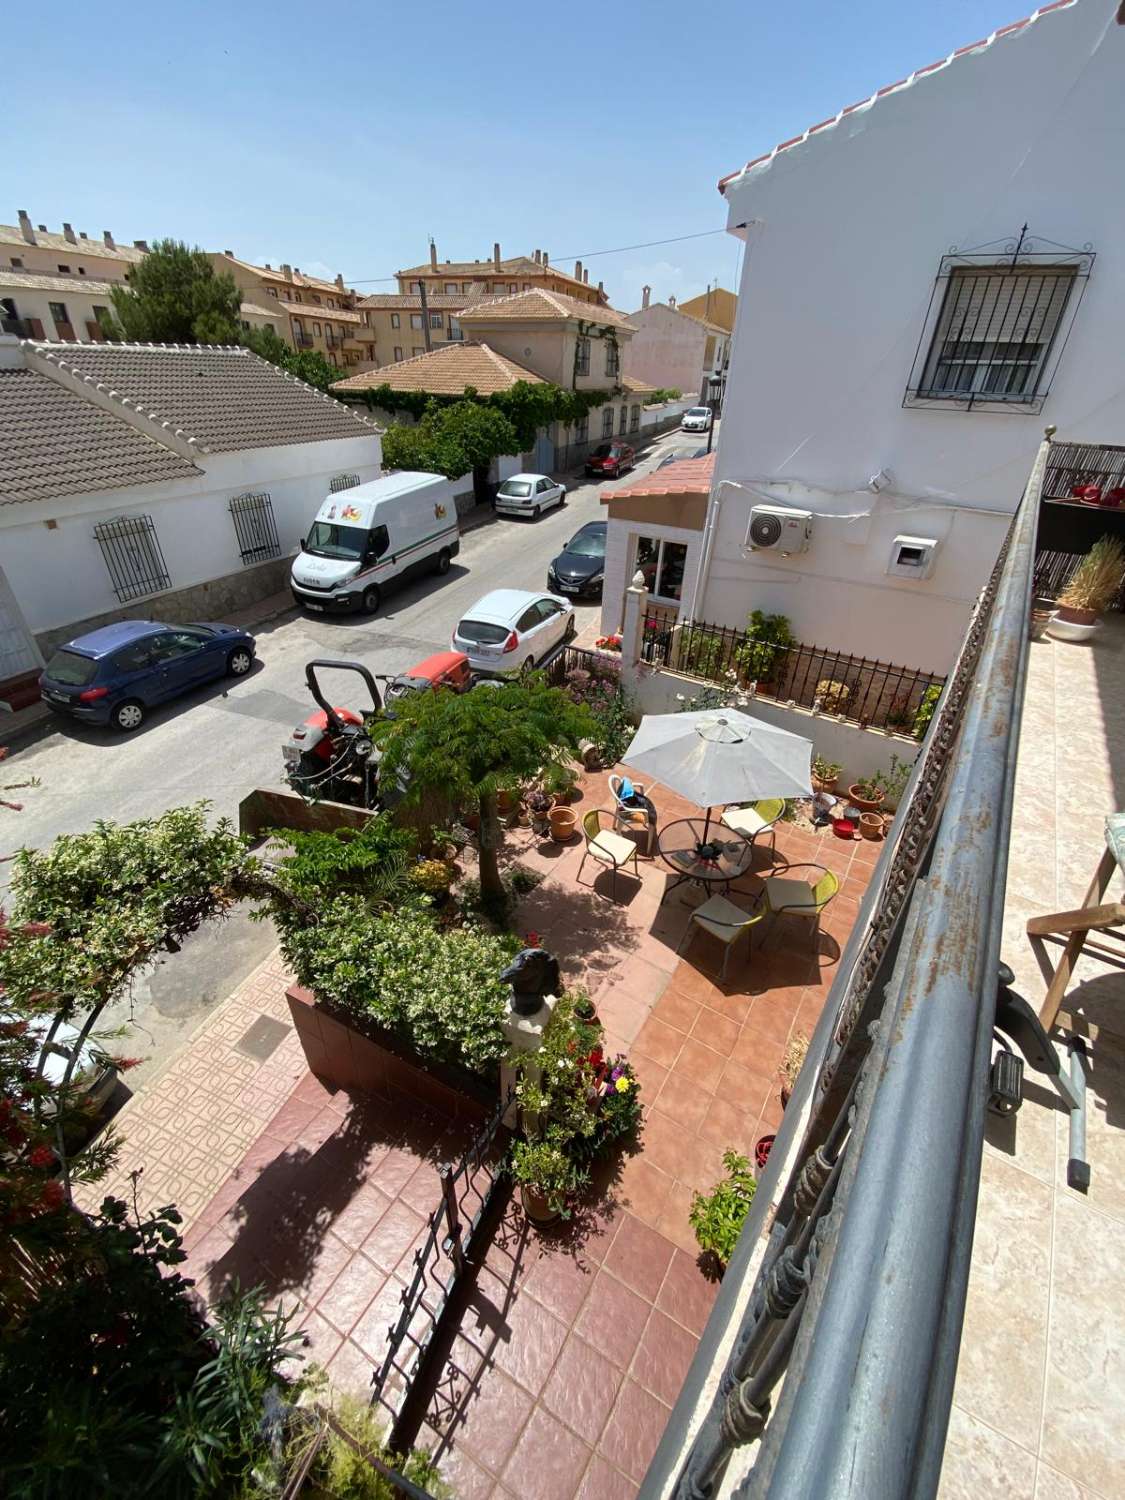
(225,739)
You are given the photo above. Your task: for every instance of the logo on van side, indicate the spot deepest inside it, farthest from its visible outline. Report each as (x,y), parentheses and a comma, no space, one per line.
(439,512)
(349,513)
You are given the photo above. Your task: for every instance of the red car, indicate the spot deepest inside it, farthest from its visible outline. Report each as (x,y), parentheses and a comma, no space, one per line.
(610,460)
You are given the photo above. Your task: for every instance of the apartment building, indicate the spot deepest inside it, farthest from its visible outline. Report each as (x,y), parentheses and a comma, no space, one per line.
(311,313)
(500,277)
(57,286)
(401,329)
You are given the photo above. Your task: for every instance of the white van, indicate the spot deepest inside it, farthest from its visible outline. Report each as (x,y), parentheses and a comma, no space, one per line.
(363,537)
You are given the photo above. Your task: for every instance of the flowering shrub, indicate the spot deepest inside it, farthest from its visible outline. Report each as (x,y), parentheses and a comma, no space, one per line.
(609,704)
(432,877)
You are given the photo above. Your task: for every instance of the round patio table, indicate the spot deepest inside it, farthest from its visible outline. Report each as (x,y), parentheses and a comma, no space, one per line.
(709,861)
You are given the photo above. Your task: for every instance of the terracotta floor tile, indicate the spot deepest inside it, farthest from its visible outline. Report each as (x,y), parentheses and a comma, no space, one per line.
(393,1236)
(687,1296)
(350,1293)
(700,1064)
(321,1339)
(527,1342)
(372,1331)
(350,1370)
(623,1015)
(325,1263)
(650,1075)
(663,1356)
(644,1189)
(634,1429)
(664,1141)
(660,1042)
(676,1010)
(613,1318)
(293,1116)
(690,981)
(674,1223)
(702,1164)
(583,1386)
(465,1479)
(715,1030)
(561,1282)
(758,1053)
(359,1215)
(683,1101)
(732,1007)
(727,1124)
(603,1482)
(548,1462)
(640,1257)
(492,1421)
(772,1018)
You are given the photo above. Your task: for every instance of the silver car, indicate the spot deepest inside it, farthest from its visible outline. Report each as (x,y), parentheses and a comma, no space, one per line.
(512,630)
(529,495)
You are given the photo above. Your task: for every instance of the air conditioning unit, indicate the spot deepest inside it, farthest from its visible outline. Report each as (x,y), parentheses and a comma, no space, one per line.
(776,528)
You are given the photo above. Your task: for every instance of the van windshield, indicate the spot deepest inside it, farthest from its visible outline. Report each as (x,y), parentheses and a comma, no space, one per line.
(326,539)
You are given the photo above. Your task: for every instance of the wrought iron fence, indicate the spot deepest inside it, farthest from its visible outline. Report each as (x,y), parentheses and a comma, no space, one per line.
(254,527)
(440,1264)
(579,659)
(864,691)
(132,554)
(862,1224)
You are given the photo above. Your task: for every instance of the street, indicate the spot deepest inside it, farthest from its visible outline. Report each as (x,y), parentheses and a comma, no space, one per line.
(222,741)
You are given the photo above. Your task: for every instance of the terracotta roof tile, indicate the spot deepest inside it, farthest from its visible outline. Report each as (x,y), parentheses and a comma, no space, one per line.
(540,305)
(891,88)
(412,302)
(445,372)
(12,234)
(687,476)
(317,310)
(54,442)
(516,265)
(35,281)
(224,397)
(298,279)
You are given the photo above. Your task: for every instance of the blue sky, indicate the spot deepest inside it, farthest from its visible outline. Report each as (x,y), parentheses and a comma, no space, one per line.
(341,139)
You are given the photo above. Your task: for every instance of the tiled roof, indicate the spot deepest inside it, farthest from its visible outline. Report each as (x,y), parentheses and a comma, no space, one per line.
(34,282)
(540,305)
(317,310)
(412,302)
(256,310)
(445,372)
(894,88)
(636,387)
(687,476)
(221,398)
(55,442)
(12,234)
(517,265)
(270,273)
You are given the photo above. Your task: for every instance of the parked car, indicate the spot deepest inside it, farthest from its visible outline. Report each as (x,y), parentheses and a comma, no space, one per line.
(580,566)
(116,674)
(609,460)
(511,630)
(696,419)
(529,495)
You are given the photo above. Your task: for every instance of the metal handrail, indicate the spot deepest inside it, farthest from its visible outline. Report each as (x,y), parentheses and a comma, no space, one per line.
(859,1297)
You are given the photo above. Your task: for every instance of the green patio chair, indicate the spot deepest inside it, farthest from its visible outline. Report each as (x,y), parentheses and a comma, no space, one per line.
(609,848)
(756,821)
(726,922)
(805,899)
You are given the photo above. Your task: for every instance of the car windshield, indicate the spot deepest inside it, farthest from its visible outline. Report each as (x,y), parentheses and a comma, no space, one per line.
(699,411)
(587,544)
(603,450)
(483,632)
(516,487)
(326,539)
(67,666)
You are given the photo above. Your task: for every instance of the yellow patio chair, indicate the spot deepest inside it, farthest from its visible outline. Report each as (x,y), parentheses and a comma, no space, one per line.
(802,898)
(759,819)
(611,849)
(726,922)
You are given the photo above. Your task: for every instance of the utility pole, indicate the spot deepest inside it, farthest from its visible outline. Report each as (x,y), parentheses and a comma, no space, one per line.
(425,315)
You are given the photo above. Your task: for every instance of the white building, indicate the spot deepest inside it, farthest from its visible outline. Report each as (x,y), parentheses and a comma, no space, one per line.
(674,350)
(146,480)
(932,276)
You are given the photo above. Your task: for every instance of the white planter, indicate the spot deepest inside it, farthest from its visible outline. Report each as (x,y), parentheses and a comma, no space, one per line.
(1067,630)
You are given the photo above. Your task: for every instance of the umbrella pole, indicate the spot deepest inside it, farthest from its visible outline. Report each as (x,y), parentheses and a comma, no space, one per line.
(706,824)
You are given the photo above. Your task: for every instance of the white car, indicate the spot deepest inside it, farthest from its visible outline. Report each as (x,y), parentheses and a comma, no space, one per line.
(529,495)
(512,630)
(696,419)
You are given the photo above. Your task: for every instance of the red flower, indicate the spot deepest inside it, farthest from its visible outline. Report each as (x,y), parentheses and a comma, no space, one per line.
(53,1195)
(14,1135)
(41,1156)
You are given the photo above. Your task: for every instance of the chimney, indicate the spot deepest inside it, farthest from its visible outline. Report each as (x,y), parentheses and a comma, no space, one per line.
(586,278)
(433,256)
(25,227)
(707,304)
(340,281)
(69,234)
(231,254)
(671,301)
(140,245)
(42,228)
(296,270)
(268,266)
(81,234)
(601,289)
(545,257)
(108,238)
(578,270)
(287,271)
(496,256)
(535,256)
(646,293)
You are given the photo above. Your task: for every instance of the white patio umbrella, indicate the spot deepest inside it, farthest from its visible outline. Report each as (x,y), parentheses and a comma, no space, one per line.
(721,755)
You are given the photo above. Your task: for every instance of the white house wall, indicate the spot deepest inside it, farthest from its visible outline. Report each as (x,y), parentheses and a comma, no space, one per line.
(845,233)
(57,571)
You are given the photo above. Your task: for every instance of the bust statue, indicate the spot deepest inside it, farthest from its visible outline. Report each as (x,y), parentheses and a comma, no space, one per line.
(532,974)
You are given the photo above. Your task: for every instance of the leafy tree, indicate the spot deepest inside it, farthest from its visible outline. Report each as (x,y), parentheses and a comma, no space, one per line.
(268,344)
(471,744)
(311,366)
(175,297)
(453,440)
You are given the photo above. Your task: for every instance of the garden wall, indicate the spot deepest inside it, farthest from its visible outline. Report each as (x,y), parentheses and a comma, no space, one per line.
(340,1054)
(860,751)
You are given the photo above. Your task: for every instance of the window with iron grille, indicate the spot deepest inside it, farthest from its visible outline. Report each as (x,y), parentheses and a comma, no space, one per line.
(996,326)
(607,422)
(343,482)
(255,528)
(582,357)
(612,359)
(634,418)
(582,429)
(132,554)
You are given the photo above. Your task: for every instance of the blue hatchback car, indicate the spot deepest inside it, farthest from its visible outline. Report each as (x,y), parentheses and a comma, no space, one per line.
(116,674)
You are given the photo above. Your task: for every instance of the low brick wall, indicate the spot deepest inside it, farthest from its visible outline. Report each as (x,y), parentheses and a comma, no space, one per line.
(340,1054)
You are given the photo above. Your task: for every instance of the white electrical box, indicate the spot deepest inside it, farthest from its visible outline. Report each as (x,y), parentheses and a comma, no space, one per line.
(776,528)
(912,556)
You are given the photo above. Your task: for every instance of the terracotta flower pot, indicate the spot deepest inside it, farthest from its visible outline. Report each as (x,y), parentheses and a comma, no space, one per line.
(865,804)
(871,825)
(564,821)
(820,785)
(537,1207)
(504,803)
(1074,616)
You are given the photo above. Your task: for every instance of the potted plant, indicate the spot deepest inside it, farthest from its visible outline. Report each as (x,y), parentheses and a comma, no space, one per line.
(432,877)
(871,825)
(547,1178)
(893,781)
(559,782)
(831,696)
(717,1217)
(564,822)
(825,774)
(791,1064)
(444,845)
(539,806)
(584,1009)
(1092,589)
(868,792)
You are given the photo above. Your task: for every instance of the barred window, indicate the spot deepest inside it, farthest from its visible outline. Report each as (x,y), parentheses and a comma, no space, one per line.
(634,418)
(343,482)
(607,422)
(255,528)
(132,554)
(612,359)
(582,357)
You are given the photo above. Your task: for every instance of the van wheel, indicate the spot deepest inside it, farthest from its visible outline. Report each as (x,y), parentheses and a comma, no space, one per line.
(128,716)
(442,564)
(371,598)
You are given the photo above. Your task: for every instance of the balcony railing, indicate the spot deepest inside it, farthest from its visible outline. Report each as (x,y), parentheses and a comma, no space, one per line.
(835,1357)
(302,340)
